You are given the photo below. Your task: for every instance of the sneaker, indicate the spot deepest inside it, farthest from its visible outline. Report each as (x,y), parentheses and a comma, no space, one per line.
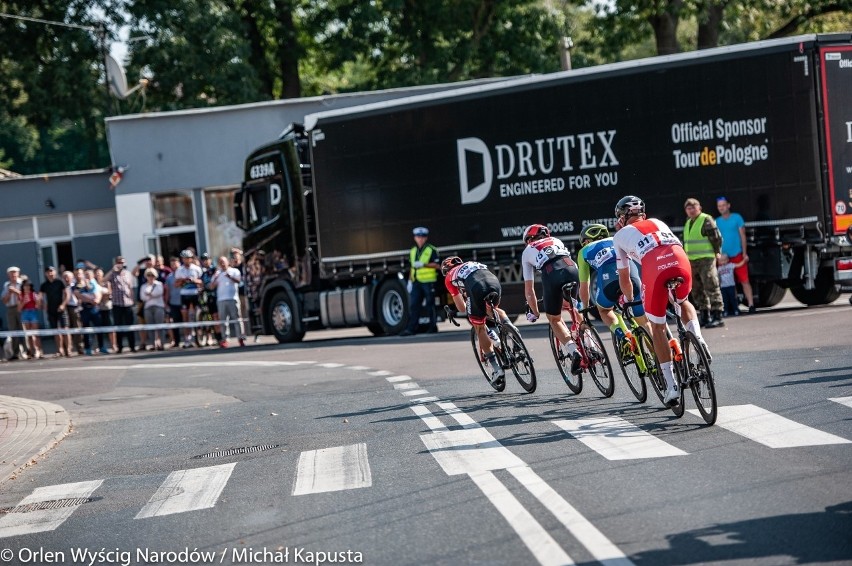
(672,396)
(223,343)
(88,351)
(104,350)
(752,309)
(576,361)
(242,342)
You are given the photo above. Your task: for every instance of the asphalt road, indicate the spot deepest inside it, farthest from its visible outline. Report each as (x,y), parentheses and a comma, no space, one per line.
(395,451)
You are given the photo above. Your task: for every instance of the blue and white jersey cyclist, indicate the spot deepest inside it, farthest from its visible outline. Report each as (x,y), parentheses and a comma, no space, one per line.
(597,256)
(549,256)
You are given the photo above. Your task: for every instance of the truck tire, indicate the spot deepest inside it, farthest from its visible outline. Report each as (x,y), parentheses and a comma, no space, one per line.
(283,315)
(391,307)
(823,293)
(375,328)
(769,293)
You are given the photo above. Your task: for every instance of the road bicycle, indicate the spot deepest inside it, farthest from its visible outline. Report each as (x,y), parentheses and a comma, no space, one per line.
(593,356)
(691,365)
(511,351)
(635,351)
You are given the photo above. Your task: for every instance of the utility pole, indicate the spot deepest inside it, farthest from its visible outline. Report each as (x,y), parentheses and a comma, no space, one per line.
(565,45)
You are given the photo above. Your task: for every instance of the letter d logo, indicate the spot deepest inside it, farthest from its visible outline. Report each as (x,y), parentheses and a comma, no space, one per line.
(274,194)
(479,192)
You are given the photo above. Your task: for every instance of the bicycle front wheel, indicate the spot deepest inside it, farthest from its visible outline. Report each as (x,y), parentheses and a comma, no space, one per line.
(700,379)
(654,373)
(519,358)
(498,386)
(599,367)
(679,369)
(630,369)
(574,382)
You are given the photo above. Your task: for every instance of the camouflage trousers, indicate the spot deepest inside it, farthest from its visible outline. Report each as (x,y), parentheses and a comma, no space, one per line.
(706,293)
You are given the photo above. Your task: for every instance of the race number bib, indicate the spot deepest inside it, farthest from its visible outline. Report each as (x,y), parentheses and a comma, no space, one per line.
(468,268)
(654,240)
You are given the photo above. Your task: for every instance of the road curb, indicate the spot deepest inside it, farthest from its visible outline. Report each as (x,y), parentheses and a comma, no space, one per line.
(28,429)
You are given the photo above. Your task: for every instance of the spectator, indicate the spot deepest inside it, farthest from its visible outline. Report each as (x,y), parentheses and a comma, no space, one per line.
(142,266)
(163,270)
(105,313)
(728,285)
(226,281)
(11,296)
(207,299)
(121,282)
(254,280)
(29,304)
(173,298)
(238,263)
(702,242)
(732,227)
(53,294)
(88,293)
(72,312)
(424,261)
(152,294)
(188,278)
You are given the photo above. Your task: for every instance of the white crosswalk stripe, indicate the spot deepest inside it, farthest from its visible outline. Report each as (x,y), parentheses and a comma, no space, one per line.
(843,401)
(188,490)
(333,469)
(616,439)
(26,521)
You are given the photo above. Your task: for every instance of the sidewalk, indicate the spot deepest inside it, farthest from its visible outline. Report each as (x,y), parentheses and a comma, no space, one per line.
(28,429)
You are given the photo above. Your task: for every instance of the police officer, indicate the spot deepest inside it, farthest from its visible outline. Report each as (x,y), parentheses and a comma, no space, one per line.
(425,263)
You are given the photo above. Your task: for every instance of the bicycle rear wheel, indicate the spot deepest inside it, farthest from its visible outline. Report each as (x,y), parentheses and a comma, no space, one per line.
(483,366)
(680,377)
(574,382)
(519,358)
(599,367)
(655,374)
(632,374)
(701,379)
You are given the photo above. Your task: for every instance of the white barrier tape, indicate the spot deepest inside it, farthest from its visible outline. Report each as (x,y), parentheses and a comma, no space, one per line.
(104,329)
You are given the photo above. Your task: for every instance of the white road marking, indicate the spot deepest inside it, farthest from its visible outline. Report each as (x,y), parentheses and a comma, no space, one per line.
(771,429)
(428,399)
(38,521)
(98,367)
(398,378)
(842,400)
(333,469)
(469,451)
(412,392)
(379,373)
(404,386)
(330,365)
(433,422)
(589,536)
(460,416)
(546,550)
(188,490)
(357,368)
(617,439)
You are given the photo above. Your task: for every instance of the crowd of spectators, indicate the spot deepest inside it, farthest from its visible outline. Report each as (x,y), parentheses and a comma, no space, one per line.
(152,292)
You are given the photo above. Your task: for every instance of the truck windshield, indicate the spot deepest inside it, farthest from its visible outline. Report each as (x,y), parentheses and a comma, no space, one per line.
(260,198)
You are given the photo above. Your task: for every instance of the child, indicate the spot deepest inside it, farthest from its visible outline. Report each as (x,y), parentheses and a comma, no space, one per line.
(728,285)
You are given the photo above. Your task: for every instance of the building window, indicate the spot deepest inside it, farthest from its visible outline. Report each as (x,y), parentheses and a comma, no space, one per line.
(172,210)
(16,229)
(222,231)
(53,226)
(95,222)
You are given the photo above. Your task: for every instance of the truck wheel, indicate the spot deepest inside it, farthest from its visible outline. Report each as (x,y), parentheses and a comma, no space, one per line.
(281,314)
(824,291)
(769,293)
(375,328)
(391,307)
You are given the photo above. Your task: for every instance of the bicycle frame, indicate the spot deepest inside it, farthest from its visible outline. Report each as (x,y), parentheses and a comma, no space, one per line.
(629,334)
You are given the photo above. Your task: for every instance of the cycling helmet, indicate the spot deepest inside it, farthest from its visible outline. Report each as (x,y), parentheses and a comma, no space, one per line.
(629,206)
(450,263)
(187,253)
(535,232)
(593,232)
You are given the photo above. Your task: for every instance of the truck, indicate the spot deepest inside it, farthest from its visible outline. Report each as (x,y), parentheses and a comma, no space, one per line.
(328,208)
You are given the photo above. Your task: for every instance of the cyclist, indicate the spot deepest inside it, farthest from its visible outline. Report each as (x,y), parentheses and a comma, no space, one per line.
(551,258)
(598,255)
(661,257)
(469,283)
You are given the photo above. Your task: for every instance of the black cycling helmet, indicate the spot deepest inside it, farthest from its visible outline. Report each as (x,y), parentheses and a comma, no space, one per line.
(535,232)
(629,206)
(593,232)
(450,263)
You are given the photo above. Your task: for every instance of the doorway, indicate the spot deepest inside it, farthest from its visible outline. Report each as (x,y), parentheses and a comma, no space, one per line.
(172,244)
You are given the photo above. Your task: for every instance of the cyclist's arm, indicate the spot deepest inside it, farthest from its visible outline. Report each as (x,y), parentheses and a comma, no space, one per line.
(459,302)
(625,284)
(529,293)
(585,271)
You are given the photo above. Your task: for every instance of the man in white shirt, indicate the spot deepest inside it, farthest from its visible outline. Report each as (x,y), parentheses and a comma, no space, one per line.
(11,296)
(226,281)
(188,278)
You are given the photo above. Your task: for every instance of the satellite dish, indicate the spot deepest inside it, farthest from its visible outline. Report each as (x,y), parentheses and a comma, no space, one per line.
(117,80)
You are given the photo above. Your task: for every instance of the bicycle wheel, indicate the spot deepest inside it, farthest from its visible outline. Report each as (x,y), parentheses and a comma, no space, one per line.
(679,375)
(655,374)
(574,382)
(483,366)
(700,379)
(599,367)
(632,374)
(519,358)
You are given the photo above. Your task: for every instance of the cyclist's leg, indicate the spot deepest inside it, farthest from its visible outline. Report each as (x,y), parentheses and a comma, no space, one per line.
(655,302)
(552,282)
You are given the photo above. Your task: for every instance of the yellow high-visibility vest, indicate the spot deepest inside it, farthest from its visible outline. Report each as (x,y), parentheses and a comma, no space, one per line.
(696,245)
(423,274)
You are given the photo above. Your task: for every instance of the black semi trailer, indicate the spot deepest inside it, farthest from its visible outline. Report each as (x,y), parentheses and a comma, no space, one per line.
(329,207)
